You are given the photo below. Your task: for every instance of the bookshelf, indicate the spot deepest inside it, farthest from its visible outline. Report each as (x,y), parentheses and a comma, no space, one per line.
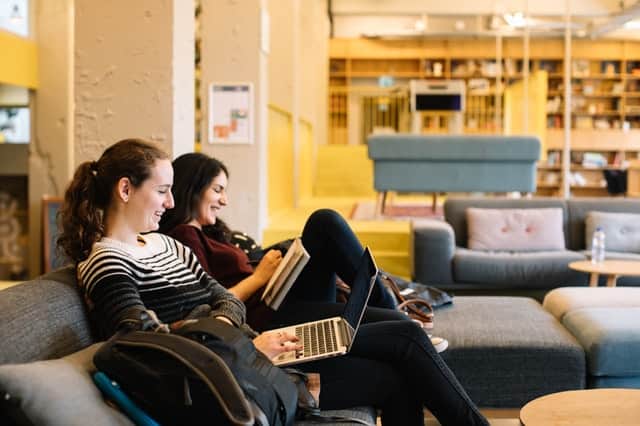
(605,76)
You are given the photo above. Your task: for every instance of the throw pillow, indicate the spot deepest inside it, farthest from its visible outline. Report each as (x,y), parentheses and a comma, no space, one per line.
(60,392)
(621,230)
(515,229)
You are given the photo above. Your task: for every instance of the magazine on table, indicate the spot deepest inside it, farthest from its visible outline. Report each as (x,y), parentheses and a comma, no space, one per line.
(285,275)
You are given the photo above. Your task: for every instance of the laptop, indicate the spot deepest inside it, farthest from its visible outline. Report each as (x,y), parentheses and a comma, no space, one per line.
(333,336)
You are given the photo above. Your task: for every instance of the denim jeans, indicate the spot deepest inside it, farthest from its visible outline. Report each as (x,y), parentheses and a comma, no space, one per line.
(334,249)
(392,365)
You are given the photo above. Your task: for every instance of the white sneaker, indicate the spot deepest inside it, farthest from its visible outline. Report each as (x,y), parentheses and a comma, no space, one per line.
(439,343)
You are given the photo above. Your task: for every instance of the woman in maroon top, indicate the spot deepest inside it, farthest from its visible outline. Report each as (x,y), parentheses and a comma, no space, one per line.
(199,190)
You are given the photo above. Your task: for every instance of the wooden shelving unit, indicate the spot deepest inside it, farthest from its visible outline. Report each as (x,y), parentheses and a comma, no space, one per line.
(605,77)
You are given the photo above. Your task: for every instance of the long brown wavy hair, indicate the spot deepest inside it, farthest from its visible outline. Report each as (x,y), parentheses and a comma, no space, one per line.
(89,194)
(192,175)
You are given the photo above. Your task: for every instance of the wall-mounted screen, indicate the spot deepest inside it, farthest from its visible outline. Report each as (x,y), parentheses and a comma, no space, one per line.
(435,102)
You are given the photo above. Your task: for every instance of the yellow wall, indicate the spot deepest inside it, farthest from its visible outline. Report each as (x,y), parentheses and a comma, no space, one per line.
(513,114)
(280,160)
(18,61)
(305,161)
(343,170)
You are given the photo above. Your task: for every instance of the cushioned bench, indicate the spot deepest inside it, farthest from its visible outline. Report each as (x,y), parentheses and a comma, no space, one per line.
(453,163)
(606,322)
(507,351)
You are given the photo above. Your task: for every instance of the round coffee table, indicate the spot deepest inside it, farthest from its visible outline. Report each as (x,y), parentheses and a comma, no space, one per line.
(612,268)
(587,407)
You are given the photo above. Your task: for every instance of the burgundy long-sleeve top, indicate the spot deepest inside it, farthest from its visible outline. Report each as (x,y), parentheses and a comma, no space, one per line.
(226,263)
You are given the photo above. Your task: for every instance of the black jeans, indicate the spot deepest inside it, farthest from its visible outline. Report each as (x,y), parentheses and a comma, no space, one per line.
(334,249)
(392,365)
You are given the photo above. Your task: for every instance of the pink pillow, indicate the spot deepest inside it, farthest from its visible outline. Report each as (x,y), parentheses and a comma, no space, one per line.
(515,229)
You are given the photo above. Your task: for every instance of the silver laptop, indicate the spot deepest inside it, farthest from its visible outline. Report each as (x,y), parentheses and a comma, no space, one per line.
(333,336)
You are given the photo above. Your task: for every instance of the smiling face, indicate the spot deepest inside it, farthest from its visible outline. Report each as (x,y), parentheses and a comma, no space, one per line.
(152,198)
(212,200)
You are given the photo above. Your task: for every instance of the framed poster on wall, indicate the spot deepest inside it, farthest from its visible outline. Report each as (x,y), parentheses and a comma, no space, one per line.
(231,113)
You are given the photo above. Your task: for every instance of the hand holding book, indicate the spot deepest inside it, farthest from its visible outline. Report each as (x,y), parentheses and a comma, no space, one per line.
(285,274)
(267,266)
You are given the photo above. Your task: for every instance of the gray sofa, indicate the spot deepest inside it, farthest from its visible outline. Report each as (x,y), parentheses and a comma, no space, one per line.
(43,320)
(442,256)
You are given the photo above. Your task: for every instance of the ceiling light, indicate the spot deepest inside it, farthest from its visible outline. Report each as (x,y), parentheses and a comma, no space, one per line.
(421,24)
(515,20)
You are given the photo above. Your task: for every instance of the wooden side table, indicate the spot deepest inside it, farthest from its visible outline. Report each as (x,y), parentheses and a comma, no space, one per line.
(588,407)
(612,268)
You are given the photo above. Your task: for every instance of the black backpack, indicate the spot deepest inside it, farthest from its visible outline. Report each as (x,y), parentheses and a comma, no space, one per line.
(208,372)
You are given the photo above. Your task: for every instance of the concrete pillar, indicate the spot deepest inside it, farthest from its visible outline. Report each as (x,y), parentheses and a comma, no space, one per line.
(51,148)
(234,37)
(134,74)
(129,68)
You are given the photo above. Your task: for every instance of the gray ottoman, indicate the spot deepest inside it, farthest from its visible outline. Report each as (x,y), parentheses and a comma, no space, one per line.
(606,322)
(507,351)
(611,340)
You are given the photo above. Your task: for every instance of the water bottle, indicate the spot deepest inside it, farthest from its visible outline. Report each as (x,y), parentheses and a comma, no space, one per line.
(597,246)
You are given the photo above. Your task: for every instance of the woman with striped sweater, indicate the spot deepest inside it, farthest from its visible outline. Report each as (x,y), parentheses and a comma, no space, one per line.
(134,277)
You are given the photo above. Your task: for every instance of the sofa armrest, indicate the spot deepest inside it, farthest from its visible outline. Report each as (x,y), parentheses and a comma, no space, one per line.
(433,250)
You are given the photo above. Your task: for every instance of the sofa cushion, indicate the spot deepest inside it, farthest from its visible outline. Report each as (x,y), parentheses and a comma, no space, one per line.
(508,350)
(563,300)
(610,338)
(455,211)
(541,269)
(60,392)
(515,229)
(43,318)
(622,230)
(579,208)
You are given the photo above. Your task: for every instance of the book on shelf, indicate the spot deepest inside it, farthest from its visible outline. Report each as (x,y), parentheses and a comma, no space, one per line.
(285,275)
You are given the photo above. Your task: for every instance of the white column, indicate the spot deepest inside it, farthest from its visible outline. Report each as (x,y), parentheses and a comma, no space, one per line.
(232,38)
(134,74)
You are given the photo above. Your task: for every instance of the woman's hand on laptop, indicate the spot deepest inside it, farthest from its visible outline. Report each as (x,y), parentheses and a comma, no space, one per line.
(273,344)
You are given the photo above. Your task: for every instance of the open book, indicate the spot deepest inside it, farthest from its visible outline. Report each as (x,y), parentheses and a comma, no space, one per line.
(285,274)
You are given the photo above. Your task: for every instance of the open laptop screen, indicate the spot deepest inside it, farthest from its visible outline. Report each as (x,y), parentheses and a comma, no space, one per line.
(360,289)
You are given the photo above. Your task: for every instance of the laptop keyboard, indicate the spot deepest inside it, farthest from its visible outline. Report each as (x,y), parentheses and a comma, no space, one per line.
(317,338)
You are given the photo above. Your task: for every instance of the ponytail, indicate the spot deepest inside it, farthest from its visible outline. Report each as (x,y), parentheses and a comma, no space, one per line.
(81,214)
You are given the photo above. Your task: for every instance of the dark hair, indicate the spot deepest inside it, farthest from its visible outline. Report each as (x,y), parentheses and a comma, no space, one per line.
(89,194)
(192,175)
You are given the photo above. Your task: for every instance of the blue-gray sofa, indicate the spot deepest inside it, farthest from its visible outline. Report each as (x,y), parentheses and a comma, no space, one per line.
(442,256)
(453,163)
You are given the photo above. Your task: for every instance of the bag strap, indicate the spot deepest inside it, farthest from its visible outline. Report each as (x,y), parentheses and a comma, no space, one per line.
(206,364)
(229,334)
(411,306)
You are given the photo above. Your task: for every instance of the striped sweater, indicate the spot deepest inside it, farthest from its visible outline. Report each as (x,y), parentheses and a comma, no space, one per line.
(121,281)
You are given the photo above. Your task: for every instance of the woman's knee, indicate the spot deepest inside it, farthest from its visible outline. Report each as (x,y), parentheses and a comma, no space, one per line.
(326,217)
